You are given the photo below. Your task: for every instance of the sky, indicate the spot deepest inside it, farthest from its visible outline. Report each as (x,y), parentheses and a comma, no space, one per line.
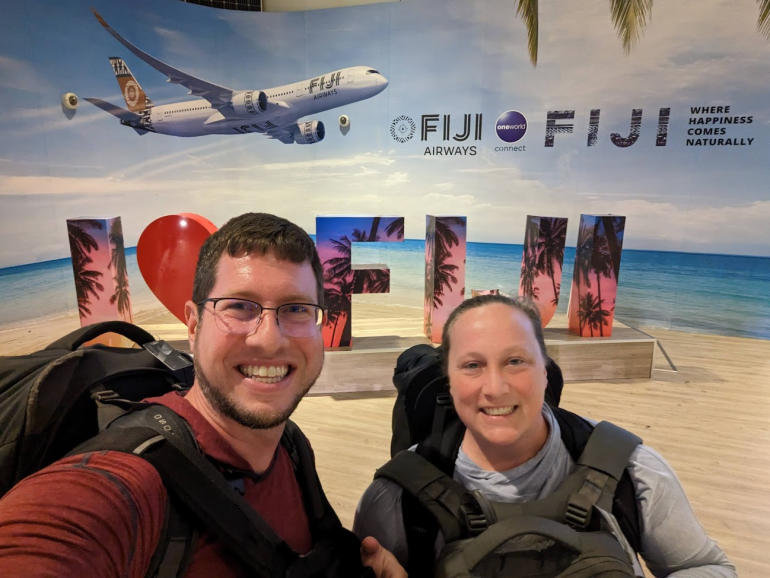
(440,57)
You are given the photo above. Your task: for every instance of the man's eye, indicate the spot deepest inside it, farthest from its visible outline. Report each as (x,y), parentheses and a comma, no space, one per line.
(295,309)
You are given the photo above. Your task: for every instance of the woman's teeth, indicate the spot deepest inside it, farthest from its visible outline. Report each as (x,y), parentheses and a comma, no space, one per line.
(265,373)
(498,410)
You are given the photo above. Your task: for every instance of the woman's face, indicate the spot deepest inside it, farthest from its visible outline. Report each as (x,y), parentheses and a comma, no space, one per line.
(497,378)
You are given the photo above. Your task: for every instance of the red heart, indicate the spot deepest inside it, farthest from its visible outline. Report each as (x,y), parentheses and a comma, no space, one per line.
(167,253)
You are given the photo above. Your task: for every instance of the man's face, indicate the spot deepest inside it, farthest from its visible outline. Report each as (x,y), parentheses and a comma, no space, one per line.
(227,366)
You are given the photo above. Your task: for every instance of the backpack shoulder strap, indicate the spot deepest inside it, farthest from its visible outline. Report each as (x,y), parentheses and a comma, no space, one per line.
(200,487)
(318,508)
(575,433)
(434,490)
(608,449)
(179,536)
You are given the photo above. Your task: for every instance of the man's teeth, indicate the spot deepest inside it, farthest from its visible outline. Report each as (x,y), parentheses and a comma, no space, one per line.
(498,410)
(266,373)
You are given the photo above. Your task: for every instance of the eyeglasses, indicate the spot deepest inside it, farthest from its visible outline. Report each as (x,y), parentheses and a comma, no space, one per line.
(241,316)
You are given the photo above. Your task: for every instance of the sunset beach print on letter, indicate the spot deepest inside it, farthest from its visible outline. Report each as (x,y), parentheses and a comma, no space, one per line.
(595,275)
(541,263)
(334,239)
(445,251)
(101,276)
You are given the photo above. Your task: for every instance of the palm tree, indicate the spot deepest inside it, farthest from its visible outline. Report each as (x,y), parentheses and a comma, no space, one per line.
(601,264)
(397,226)
(613,230)
(373,233)
(81,245)
(444,278)
(550,249)
(118,264)
(371,281)
(338,302)
(445,239)
(591,314)
(528,274)
(583,250)
(339,273)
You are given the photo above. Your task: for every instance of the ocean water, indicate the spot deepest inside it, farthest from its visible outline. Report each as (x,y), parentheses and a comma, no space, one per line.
(718,294)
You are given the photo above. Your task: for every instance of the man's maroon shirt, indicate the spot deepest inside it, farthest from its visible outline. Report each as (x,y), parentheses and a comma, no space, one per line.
(101,514)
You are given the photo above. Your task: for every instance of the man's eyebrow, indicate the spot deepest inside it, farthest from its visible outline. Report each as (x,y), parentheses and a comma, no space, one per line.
(292,298)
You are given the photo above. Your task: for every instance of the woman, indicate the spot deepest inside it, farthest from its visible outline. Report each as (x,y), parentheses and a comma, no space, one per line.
(512,450)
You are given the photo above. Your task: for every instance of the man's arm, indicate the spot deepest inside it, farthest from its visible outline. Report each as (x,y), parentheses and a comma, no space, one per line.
(673,541)
(98,514)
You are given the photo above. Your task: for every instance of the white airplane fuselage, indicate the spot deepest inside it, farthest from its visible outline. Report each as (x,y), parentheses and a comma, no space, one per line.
(285,104)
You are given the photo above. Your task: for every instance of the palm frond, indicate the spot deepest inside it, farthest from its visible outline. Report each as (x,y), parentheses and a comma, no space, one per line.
(630,17)
(763,22)
(528,11)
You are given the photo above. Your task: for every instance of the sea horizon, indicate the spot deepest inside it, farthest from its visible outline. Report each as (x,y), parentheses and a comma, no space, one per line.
(711,293)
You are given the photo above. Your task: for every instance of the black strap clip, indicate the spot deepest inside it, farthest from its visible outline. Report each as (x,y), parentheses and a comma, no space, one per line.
(105,395)
(476,513)
(444,400)
(579,509)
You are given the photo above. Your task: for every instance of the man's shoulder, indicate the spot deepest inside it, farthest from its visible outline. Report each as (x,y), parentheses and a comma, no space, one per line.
(125,471)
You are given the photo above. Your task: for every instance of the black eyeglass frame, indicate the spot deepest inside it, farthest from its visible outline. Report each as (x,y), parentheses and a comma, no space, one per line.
(262,308)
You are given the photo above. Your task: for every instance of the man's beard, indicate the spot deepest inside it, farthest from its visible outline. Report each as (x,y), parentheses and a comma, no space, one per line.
(227,407)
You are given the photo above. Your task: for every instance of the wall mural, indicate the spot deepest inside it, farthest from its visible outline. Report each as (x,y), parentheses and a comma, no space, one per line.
(437,107)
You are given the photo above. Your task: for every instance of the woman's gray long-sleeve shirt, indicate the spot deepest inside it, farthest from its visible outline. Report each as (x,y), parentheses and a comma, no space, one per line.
(673,541)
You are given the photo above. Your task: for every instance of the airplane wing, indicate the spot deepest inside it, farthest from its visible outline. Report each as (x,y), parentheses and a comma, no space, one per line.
(282,134)
(219,96)
(121,113)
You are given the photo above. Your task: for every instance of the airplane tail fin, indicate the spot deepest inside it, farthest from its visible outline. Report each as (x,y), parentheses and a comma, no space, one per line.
(136,99)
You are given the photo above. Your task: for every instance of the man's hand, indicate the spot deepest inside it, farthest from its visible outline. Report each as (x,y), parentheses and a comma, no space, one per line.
(380,560)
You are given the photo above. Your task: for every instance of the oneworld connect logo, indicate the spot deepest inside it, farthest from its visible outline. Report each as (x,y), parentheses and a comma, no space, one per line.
(511,126)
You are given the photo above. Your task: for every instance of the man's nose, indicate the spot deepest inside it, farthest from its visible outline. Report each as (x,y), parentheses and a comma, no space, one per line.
(267,333)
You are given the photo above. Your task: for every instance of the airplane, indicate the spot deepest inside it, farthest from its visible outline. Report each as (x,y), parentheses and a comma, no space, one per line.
(275,112)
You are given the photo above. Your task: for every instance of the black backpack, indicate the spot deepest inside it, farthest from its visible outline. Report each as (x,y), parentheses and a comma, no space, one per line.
(70,400)
(425,416)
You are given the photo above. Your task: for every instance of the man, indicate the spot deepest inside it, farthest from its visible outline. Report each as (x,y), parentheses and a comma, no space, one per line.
(254,327)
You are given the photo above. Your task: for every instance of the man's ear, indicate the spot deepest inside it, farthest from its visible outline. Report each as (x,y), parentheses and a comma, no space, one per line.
(191,318)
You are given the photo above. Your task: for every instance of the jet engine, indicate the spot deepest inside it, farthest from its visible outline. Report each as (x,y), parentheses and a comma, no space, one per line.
(70,100)
(309,132)
(250,102)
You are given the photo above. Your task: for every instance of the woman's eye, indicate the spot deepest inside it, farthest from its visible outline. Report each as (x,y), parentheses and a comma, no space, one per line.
(515,361)
(472,365)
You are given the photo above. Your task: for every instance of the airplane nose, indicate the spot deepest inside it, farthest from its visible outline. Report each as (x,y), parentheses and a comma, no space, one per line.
(382,81)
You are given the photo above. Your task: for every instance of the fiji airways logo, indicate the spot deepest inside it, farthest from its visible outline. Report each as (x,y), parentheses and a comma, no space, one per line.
(131,92)
(403,129)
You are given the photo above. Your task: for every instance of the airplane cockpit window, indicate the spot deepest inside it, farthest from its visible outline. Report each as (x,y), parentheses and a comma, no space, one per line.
(372,71)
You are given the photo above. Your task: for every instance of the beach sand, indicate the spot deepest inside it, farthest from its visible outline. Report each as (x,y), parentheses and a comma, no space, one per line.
(708,417)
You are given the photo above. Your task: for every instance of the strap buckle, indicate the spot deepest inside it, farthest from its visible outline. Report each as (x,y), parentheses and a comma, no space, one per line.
(579,510)
(105,395)
(444,400)
(476,513)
